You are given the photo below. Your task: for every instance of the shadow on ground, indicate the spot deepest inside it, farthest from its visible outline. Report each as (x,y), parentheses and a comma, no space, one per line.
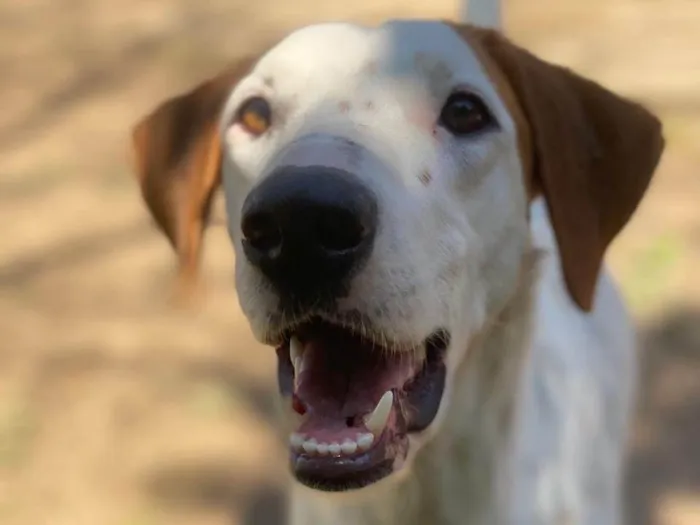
(667,459)
(213,487)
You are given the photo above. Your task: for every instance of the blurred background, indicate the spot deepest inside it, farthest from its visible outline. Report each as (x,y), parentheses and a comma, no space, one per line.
(116,408)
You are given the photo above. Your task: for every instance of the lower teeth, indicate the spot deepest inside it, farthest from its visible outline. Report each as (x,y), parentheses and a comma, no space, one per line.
(311,446)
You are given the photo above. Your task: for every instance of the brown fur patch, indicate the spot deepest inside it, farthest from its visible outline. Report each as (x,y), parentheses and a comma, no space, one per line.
(591,152)
(178,164)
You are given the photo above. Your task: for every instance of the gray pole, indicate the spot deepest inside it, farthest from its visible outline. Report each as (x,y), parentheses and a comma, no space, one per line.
(483,12)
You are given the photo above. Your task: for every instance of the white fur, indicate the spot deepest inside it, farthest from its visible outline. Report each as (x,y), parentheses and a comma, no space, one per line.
(532,424)
(575,401)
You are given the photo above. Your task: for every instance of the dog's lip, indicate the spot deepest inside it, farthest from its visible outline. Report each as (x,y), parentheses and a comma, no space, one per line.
(348,473)
(279,333)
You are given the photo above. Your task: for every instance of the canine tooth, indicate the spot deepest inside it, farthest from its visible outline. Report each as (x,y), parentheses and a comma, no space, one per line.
(296,441)
(376,421)
(322,449)
(310,446)
(295,350)
(348,447)
(334,449)
(303,363)
(296,364)
(364,441)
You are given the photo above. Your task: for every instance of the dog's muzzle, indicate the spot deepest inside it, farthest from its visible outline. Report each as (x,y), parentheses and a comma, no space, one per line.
(353,396)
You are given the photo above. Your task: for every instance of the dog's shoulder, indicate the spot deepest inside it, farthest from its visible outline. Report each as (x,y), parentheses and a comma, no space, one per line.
(607,327)
(576,396)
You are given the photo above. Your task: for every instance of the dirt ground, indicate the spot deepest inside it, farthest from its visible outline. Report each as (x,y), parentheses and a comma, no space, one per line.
(116,408)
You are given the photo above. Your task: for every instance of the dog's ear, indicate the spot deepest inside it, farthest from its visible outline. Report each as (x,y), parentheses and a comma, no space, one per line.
(594,154)
(178,164)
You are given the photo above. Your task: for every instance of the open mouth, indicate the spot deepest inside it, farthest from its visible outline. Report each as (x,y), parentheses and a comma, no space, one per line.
(355,402)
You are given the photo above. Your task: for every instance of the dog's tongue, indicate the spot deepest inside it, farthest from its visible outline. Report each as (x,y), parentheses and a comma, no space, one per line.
(341,378)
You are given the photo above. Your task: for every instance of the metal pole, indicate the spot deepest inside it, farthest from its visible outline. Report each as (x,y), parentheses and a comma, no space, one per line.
(463,8)
(481,12)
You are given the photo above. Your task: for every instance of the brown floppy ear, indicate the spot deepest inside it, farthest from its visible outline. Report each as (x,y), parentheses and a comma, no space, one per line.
(178,164)
(594,155)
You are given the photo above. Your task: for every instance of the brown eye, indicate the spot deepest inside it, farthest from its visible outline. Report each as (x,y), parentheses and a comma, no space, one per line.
(465,113)
(255,115)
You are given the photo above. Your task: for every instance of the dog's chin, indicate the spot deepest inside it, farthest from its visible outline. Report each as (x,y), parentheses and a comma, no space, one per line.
(355,402)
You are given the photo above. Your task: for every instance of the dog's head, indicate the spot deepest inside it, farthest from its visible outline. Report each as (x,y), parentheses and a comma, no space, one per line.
(377,184)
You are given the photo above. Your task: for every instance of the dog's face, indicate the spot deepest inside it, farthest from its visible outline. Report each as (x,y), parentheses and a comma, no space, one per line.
(377,183)
(363,211)
(405,123)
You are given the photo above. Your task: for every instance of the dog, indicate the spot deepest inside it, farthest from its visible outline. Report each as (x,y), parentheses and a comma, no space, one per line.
(420,213)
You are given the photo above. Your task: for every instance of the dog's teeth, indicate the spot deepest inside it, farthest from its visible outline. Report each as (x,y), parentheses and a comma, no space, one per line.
(295,355)
(295,350)
(348,447)
(310,446)
(364,441)
(376,421)
(304,362)
(296,364)
(296,441)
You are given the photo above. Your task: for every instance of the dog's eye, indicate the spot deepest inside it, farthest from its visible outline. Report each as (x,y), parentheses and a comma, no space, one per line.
(255,115)
(465,113)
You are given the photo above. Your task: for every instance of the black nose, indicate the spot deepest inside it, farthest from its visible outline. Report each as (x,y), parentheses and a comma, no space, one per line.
(309,229)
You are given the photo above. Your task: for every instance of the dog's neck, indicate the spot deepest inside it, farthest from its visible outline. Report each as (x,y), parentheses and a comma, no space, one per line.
(459,478)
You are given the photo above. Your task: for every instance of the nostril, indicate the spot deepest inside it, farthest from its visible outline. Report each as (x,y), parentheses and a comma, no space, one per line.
(308,230)
(339,231)
(261,232)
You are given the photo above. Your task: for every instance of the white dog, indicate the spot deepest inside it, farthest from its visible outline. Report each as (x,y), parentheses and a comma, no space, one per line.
(419,213)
